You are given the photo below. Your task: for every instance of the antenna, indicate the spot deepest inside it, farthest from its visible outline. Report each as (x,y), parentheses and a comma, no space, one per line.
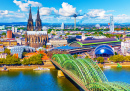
(74,20)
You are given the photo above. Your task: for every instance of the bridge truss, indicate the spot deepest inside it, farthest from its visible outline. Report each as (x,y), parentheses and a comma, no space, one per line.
(89,73)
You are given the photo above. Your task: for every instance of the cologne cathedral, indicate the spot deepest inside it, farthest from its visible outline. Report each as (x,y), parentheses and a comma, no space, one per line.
(35,37)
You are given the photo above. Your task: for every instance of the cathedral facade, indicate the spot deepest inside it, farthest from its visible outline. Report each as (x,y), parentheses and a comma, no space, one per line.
(35,37)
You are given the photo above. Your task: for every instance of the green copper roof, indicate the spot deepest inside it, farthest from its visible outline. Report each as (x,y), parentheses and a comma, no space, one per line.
(97,43)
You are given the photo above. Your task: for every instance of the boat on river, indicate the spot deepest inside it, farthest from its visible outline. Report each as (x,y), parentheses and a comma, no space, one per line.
(41,69)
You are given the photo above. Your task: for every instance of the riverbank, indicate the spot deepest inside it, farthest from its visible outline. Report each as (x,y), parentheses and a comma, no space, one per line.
(50,66)
(125,64)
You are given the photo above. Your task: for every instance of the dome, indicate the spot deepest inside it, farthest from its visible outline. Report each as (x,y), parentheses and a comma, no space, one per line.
(104,50)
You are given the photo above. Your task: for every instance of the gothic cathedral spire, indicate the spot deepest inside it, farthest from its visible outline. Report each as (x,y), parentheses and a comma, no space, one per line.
(38,25)
(30,22)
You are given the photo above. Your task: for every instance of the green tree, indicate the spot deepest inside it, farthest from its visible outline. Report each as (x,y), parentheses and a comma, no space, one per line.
(10,60)
(7,51)
(49,30)
(23,54)
(86,57)
(75,55)
(44,46)
(100,59)
(3,34)
(23,36)
(115,53)
(117,58)
(127,58)
(34,60)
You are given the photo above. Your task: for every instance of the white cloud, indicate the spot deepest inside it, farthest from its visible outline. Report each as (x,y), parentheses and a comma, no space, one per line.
(122,18)
(67,9)
(18,10)
(24,6)
(97,13)
(4,12)
(47,11)
(34,4)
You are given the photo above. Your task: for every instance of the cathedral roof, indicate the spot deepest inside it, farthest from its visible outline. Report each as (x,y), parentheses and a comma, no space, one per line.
(36,32)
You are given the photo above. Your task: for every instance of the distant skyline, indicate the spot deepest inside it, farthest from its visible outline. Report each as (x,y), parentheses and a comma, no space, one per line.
(58,11)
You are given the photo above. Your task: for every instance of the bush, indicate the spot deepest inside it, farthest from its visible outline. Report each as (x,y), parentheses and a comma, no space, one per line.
(100,59)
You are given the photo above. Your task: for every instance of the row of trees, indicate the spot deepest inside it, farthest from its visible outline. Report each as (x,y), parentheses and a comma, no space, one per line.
(119,58)
(115,58)
(10,60)
(34,60)
(13,60)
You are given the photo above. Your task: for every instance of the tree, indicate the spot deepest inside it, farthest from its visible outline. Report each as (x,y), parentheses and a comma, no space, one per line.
(10,60)
(86,57)
(49,30)
(100,59)
(34,60)
(75,55)
(101,33)
(115,53)
(117,58)
(3,33)
(127,58)
(24,53)
(44,46)
(7,51)
(23,36)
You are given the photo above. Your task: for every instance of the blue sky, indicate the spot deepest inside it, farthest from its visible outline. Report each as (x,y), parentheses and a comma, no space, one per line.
(58,11)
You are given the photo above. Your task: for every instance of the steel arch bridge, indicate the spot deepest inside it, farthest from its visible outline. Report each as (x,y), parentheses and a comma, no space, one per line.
(89,73)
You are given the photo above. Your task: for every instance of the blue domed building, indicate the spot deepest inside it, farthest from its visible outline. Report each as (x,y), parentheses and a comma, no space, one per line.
(104,51)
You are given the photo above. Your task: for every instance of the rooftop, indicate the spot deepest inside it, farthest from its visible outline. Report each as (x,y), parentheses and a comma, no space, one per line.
(36,32)
(66,47)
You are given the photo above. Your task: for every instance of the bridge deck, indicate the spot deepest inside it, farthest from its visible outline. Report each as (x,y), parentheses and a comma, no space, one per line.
(71,76)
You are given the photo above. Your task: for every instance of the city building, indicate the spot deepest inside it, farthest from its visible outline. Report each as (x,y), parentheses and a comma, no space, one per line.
(125,47)
(18,50)
(103,51)
(93,43)
(9,34)
(111,24)
(30,26)
(3,55)
(81,38)
(97,26)
(1,49)
(8,42)
(38,24)
(58,42)
(62,26)
(89,45)
(16,30)
(35,38)
(13,29)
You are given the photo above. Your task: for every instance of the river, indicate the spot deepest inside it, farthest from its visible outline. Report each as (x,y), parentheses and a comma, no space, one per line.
(28,80)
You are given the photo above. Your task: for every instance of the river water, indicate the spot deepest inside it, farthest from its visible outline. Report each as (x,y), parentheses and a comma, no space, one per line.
(28,80)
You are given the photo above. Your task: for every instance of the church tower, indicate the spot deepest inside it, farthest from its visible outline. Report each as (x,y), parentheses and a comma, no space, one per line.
(38,25)
(30,22)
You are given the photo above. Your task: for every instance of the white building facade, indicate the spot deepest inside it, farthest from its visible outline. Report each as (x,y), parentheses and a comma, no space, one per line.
(111,24)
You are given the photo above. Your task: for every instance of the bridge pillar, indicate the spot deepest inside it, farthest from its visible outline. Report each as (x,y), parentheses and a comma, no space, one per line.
(60,74)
